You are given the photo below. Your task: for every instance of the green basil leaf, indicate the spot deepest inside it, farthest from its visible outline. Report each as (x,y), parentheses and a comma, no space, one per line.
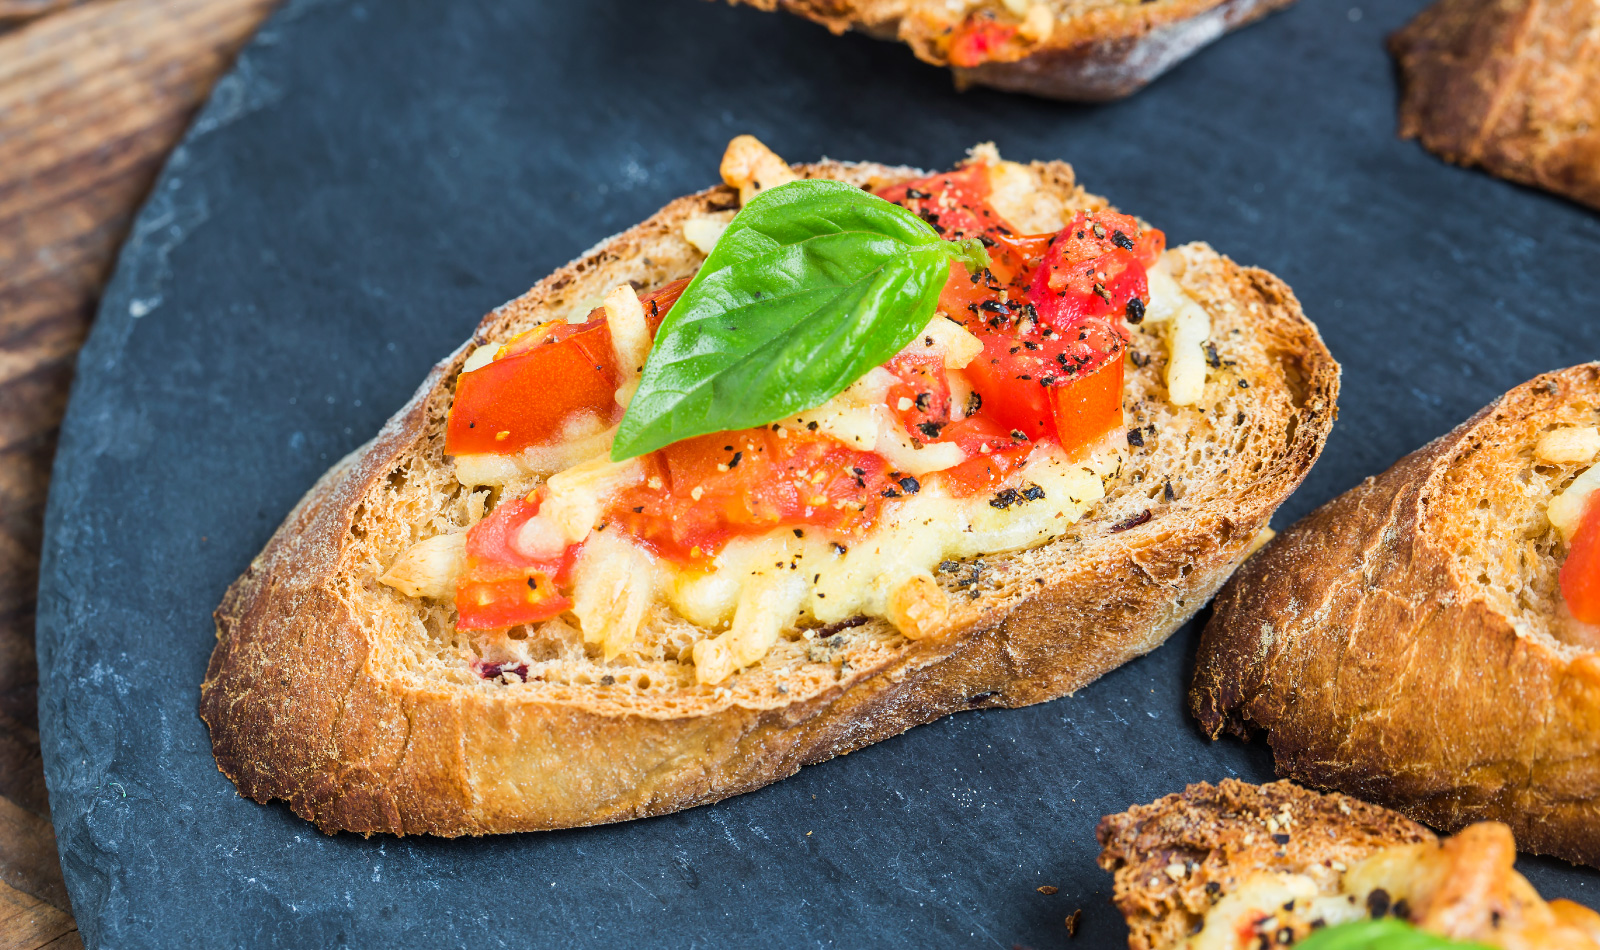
(813,283)
(1388,934)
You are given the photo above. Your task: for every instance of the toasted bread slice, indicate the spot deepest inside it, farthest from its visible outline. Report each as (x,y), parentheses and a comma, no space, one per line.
(1513,87)
(1259,867)
(1408,642)
(365,709)
(1078,50)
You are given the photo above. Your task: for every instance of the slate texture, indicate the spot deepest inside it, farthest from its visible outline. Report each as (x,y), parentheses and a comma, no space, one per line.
(373,177)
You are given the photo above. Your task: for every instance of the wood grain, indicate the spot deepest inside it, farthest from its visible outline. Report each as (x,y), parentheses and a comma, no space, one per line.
(93,95)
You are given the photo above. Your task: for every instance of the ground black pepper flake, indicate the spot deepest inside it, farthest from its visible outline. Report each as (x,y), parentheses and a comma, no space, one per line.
(1121,240)
(734,462)
(1019,435)
(839,549)
(889,493)
(1167,491)
(1281,838)
(1136,438)
(974,403)
(1032,492)
(1378,902)
(1140,360)
(1005,499)
(811,426)
(1212,359)
(930,429)
(910,485)
(949,567)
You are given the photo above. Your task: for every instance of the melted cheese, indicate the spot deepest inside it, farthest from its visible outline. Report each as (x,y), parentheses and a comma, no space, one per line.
(1188,326)
(1565,510)
(885,573)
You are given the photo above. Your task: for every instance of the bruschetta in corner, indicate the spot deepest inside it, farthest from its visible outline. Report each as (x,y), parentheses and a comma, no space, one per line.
(804,460)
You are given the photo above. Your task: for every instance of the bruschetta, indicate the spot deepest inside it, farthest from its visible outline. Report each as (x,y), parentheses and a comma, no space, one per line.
(802,461)
(1236,866)
(1430,640)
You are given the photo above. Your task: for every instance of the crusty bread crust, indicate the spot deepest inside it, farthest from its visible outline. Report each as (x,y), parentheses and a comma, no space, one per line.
(305,702)
(1218,835)
(1094,53)
(1366,643)
(1512,86)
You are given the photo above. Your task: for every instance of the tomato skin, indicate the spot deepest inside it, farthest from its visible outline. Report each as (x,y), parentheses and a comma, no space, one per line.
(923,385)
(992,454)
(748,483)
(1090,406)
(1093,268)
(540,380)
(978,39)
(526,399)
(1580,574)
(501,587)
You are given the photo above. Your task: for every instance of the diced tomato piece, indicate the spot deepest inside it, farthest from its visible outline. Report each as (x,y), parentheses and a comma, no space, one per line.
(1090,406)
(955,203)
(527,399)
(992,454)
(1580,575)
(499,586)
(978,39)
(541,379)
(704,491)
(1012,377)
(921,398)
(1016,374)
(1093,268)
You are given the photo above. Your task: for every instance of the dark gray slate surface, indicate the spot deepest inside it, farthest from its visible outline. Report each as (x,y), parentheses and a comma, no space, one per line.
(373,177)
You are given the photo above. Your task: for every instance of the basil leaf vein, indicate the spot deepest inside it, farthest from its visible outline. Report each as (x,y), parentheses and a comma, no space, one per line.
(813,284)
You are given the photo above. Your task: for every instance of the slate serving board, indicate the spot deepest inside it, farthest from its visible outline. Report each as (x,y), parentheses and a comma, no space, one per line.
(373,177)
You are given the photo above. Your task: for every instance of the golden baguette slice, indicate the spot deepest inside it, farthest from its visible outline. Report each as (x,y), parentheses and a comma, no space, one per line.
(1236,866)
(362,709)
(1512,86)
(1078,50)
(1408,642)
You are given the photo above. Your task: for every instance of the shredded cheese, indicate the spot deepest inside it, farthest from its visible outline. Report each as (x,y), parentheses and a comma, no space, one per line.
(1565,510)
(751,167)
(705,230)
(630,338)
(1568,445)
(429,567)
(1189,327)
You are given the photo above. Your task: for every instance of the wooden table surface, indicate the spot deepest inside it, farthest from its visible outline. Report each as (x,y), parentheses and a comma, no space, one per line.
(93,95)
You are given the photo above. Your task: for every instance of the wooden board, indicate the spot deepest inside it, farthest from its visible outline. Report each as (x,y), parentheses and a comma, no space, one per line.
(92,98)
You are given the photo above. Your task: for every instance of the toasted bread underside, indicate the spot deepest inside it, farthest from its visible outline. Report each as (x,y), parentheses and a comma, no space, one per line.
(1173,858)
(360,707)
(1096,50)
(1407,642)
(1513,87)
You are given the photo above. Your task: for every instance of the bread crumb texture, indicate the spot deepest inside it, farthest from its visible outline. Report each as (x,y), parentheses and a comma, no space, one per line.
(368,710)
(1408,642)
